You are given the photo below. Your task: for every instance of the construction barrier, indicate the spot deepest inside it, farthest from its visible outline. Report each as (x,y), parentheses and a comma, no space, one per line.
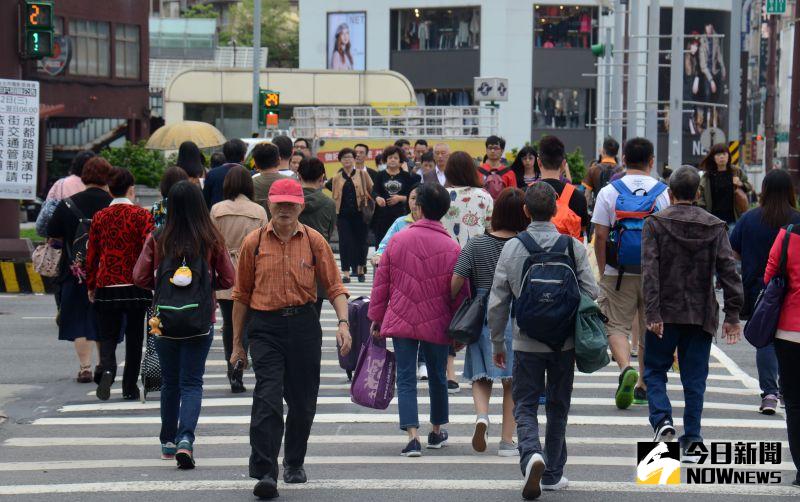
(20,277)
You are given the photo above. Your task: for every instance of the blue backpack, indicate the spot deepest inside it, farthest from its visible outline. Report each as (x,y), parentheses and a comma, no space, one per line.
(624,248)
(550,296)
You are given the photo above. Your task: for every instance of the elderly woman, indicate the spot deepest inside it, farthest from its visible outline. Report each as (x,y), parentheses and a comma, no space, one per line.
(411,303)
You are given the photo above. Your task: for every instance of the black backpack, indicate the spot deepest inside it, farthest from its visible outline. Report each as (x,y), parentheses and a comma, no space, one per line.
(76,250)
(184,312)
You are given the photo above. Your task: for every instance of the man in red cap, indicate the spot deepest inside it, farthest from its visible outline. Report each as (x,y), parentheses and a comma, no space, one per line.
(276,288)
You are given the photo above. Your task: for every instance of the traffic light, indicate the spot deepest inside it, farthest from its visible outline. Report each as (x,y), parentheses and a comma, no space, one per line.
(37,29)
(268,104)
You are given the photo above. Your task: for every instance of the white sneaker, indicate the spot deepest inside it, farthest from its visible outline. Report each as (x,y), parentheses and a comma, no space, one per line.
(423,372)
(533,477)
(562,484)
(508,449)
(481,435)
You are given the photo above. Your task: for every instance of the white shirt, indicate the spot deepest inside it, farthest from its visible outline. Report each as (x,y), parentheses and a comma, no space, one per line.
(604,207)
(120,200)
(440,176)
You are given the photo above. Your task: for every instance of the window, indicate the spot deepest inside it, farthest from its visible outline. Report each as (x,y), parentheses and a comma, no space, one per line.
(563,108)
(126,50)
(91,48)
(436,29)
(565,26)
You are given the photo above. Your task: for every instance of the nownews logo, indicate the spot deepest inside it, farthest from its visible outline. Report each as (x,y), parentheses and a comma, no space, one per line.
(739,463)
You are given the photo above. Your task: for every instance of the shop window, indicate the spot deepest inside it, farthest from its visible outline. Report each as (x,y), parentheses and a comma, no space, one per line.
(436,29)
(563,108)
(126,50)
(565,26)
(91,47)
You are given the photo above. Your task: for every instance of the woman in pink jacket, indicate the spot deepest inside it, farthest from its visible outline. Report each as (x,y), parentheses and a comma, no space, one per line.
(411,303)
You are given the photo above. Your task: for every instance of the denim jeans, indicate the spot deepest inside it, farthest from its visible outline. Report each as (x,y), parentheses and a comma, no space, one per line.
(183,363)
(694,348)
(530,369)
(436,361)
(767,365)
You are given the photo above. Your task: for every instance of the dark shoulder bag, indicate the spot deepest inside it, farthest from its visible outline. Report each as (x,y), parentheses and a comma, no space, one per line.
(467,323)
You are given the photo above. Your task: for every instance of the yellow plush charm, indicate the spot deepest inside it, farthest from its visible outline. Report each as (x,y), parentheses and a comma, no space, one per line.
(155,325)
(182,277)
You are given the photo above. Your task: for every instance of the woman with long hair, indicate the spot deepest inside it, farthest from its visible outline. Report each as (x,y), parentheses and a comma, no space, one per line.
(77,316)
(116,238)
(751,240)
(235,217)
(187,233)
(476,264)
(722,185)
(191,160)
(341,59)
(525,167)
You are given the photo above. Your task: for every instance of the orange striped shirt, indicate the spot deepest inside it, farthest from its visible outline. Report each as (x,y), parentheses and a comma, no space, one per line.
(285,274)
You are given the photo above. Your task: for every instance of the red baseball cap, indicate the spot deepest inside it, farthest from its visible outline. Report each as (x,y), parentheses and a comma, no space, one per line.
(287,190)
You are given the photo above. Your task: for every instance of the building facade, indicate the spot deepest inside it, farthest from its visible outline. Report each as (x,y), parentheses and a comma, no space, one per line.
(542,47)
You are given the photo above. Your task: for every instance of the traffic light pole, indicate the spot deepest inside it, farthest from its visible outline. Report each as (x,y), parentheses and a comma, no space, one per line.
(769,106)
(794,112)
(256,64)
(615,114)
(675,158)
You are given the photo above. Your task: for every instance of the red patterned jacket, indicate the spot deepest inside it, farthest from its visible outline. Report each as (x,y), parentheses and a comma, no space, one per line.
(116,238)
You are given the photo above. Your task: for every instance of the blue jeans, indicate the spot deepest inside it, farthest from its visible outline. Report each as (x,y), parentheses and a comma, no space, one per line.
(530,369)
(767,365)
(694,348)
(436,361)
(183,363)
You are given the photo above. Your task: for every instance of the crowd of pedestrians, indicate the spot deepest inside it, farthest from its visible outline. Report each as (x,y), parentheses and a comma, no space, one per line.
(446,227)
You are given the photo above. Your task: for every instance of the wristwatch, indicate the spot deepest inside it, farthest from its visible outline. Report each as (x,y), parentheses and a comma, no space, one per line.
(344,321)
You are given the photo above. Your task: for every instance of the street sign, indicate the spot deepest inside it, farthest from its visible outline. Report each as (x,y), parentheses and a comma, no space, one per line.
(268,104)
(711,137)
(776,6)
(490,89)
(19,138)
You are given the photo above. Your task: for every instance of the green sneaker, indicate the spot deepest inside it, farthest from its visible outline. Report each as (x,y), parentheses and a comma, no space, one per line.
(624,395)
(639,396)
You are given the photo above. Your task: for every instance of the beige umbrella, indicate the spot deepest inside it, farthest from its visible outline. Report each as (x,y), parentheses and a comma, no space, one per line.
(170,137)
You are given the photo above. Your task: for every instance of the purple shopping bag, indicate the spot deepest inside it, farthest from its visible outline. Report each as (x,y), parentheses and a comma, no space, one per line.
(373,378)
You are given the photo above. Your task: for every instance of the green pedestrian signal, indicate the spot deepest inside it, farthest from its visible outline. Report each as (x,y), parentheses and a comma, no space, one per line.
(37,29)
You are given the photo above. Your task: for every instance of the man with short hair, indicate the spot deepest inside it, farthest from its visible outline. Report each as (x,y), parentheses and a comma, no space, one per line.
(234,151)
(441,153)
(304,146)
(420,149)
(573,215)
(621,297)
(602,171)
(284,332)
(683,248)
(538,369)
(285,148)
(267,160)
(408,152)
(495,146)
(427,168)
(362,153)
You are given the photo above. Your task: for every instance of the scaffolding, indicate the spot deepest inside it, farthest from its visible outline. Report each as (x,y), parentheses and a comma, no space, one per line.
(395,121)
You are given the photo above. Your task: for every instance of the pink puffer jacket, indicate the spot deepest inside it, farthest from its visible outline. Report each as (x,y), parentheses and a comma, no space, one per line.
(411,294)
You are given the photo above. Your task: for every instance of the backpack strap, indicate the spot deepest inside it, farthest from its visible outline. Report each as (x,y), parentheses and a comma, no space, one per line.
(529,242)
(74,209)
(484,171)
(785,251)
(566,194)
(502,172)
(621,187)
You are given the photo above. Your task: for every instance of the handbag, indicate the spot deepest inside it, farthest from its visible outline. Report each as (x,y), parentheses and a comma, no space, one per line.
(151,367)
(760,329)
(46,259)
(468,321)
(374,376)
(368,209)
(740,201)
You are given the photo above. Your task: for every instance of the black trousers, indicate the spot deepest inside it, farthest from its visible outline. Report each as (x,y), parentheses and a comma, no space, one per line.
(286,354)
(110,324)
(789,372)
(226,307)
(352,241)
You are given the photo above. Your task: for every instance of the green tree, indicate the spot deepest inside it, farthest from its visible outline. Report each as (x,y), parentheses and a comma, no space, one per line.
(201,10)
(147,166)
(280,31)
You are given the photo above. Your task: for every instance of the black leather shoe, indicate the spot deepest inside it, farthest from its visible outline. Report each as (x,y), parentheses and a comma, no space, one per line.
(266,489)
(294,474)
(236,380)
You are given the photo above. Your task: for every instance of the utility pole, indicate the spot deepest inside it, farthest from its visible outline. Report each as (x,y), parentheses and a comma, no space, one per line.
(653,46)
(616,114)
(769,106)
(256,62)
(794,112)
(735,69)
(675,158)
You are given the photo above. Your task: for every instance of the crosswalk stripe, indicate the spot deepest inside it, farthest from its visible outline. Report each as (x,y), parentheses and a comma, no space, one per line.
(391,418)
(602,461)
(401,485)
(224,402)
(151,441)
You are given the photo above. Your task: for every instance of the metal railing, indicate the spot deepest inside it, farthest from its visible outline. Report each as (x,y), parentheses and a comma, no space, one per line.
(395,121)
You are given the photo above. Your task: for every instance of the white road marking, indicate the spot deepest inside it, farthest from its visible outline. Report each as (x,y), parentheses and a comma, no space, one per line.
(391,418)
(734,369)
(382,485)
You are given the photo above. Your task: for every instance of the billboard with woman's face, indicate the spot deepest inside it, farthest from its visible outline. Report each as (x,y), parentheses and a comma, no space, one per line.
(347,41)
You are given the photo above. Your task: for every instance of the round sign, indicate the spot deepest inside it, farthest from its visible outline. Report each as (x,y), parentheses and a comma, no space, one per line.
(61,53)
